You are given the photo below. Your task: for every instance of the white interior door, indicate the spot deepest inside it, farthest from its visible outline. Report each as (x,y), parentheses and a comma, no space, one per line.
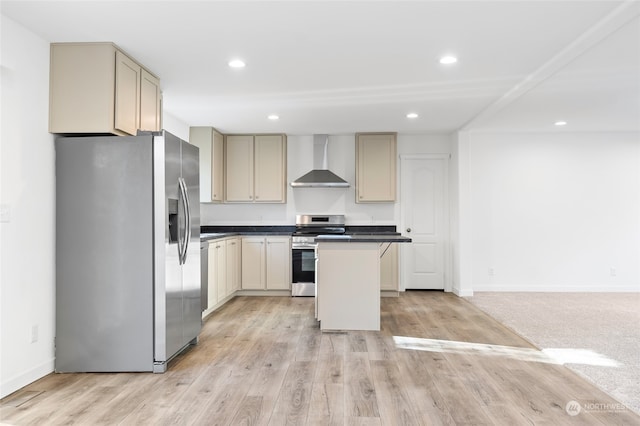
(424,213)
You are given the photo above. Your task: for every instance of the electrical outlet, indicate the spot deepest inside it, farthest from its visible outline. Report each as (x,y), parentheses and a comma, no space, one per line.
(491,272)
(34,333)
(613,272)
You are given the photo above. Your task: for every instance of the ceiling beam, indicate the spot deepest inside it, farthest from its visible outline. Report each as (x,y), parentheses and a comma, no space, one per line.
(613,21)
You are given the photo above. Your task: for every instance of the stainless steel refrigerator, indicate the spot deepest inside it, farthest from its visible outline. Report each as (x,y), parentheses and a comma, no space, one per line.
(127,252)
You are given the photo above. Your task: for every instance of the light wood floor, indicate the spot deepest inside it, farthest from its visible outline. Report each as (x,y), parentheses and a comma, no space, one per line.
(264,361)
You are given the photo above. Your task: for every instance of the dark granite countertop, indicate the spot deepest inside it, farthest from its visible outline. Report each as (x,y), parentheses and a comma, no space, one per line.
(362,238)
(214,232)
(218,235)
(353,233)
(244,229)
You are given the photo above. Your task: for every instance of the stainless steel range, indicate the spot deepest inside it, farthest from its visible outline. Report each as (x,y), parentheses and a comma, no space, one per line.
(304,247)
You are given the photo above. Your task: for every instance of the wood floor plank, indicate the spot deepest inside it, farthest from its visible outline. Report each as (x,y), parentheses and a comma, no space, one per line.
(330,370)
(308,346)
(362,421)
(357,341)
(248,413)
(380,346)
(332,344)
(453,391)
(264,360)
(360,394)
(425,395)
(393,400)
(292,406)
(327,404)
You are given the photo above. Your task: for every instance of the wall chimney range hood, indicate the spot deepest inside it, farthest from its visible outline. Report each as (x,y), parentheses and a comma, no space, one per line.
(320,176)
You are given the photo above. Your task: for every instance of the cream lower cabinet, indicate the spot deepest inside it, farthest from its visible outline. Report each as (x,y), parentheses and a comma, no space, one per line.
(266,263)
(253,263)
(233,265)
(224,270)
(97,88)
(255,168)
(213,274)
(211,144)
(375,167)
(389,267)
(220,253)
(217,272)
(278,274)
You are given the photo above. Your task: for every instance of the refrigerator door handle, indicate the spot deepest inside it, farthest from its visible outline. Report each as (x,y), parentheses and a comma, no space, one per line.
(187,205)
(187,221)
(181,235)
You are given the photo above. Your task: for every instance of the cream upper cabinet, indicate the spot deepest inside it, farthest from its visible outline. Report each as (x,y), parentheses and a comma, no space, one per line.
(389,267)
(211,144)
(97,88)
(150,101)
(239,168)
(255,168)
(375,167)
(266,263)
(128,81)
(270,167)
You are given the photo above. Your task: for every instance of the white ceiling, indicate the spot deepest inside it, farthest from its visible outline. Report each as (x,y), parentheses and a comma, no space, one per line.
(341,67)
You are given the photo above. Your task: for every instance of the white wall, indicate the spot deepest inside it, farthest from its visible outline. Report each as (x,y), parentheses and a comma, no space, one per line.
(555,211)
(27,189)
(175,126)
(341,161)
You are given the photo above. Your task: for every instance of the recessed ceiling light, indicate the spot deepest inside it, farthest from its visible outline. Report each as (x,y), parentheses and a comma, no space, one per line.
(273,117)
(412,115)
(236,63)
(560,123)
(447,60)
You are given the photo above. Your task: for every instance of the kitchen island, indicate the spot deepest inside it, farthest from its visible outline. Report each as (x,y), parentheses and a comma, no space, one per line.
(348,280)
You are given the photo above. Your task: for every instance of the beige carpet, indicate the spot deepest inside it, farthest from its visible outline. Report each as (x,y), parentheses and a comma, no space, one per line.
(605,323)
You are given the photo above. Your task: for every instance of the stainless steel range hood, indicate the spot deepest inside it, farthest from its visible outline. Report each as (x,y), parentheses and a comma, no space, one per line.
(320,176)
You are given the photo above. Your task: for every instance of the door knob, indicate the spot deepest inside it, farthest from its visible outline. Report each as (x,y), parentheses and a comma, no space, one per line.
(408,229)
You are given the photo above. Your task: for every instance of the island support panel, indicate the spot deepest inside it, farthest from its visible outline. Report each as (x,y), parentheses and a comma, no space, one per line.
(348,286)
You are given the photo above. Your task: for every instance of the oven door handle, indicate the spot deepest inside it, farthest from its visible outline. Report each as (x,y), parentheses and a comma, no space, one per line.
(303,247)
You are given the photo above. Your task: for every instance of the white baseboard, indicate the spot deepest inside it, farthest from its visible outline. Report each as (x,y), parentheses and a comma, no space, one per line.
(21,380)
(462,293)
(263,293)
(562,288)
